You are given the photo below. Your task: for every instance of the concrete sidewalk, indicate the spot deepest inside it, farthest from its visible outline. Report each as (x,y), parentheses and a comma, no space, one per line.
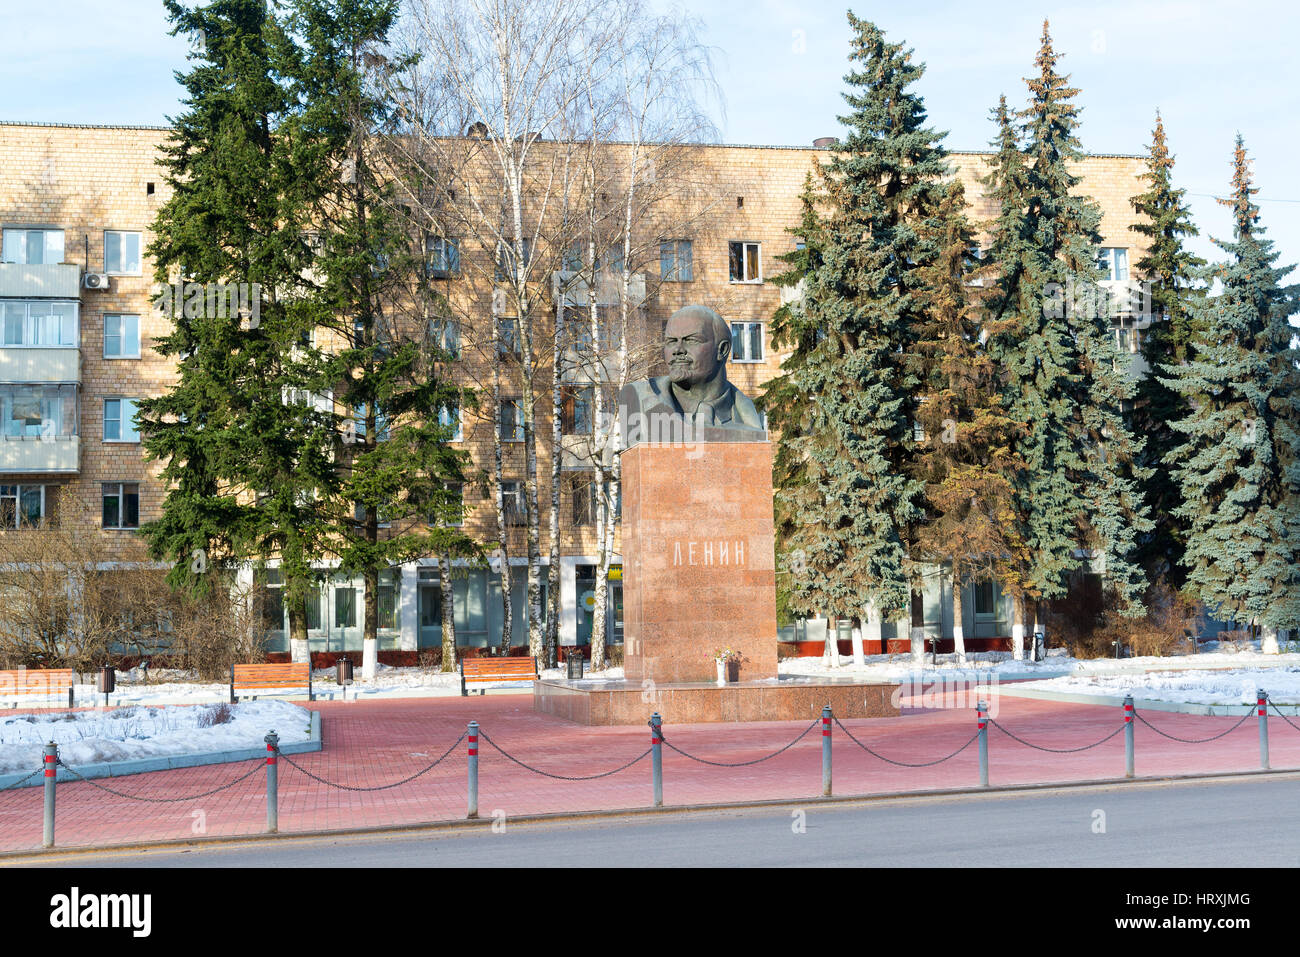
(382,742)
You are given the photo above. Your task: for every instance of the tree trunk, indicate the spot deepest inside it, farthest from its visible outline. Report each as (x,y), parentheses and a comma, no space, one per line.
(557,462)
(1018,629)
(448,614)
(503,533)
(918,628)
(370,630)
(298,645)
(958,635)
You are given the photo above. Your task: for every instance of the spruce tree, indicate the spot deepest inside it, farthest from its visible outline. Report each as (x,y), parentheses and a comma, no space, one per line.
(845,496)
(1170,270)
(1064,382)
(245,468)
(395,468)
(1237,465)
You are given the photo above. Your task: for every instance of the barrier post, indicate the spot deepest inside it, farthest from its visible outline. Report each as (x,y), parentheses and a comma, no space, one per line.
(981,712)
(51,775)
(1261,700)
(272,783)
(1128,736)
(471,736)
(657,757)
(826,751)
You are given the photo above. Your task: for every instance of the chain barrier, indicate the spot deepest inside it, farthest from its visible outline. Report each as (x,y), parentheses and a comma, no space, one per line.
(380,787)
(739,764)
(1216,737)
(1282,716)
(22,780)
(150,800)
(1039,747)
(561,777)
(905,764)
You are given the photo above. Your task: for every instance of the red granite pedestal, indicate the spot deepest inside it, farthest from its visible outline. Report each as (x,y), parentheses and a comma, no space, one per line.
(699,575)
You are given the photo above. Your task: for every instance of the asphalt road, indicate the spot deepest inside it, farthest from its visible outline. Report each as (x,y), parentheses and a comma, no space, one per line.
(1220,823)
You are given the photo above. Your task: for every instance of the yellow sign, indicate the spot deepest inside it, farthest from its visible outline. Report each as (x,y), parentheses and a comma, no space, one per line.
(615,573)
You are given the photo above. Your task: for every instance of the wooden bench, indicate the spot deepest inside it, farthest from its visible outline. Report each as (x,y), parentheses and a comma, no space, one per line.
(265,680)
(481,670)
(31,683)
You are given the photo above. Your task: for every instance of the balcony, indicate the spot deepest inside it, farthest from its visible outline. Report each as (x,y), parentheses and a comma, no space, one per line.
(40,365)
(37,455)
(20,281)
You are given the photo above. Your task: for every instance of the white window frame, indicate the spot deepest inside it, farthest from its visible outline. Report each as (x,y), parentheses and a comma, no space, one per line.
(121,488)
(125,426)
(436,247)
(517,496)
(16,496)
(122,233)
(121,336)
(9,243)
(444,419)
(758,255)
(518,435)
(746,328)
(1108,262)
(69,332)
(676,273)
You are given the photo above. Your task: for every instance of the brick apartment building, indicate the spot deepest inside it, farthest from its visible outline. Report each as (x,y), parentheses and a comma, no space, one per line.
(77,329)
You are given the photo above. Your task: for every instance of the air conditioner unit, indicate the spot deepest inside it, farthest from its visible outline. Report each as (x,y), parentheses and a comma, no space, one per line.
(95,280)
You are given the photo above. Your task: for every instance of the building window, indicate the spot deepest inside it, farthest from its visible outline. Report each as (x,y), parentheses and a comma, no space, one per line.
(33,247)
(675,263)
(121,505)
(1114,263)
(744,262)
(450,511)
(383,516)
(119,421)
(747,341)
(38,324)
(23,506)
(38,412)
(576,407)
(586,502)
(984,599)
(345,607)
(121,336)
(388,601)
(381,422)
(510,421)
(445,335)
(512,500)
(122,253)
(506,259)
(442,257)
(1127,340)
(508,339)
(450,419)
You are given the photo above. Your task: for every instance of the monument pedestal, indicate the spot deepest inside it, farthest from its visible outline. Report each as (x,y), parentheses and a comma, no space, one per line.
(699,575)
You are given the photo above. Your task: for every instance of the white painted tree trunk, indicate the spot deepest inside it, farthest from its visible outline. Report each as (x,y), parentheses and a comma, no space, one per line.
(871,630)
(918,646)
(1268,640)
(298,650)
(1018,641)
(831,653)
(369,658)
(858,657)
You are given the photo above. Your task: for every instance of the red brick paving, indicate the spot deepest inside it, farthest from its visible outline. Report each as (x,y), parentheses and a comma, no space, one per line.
(371,743)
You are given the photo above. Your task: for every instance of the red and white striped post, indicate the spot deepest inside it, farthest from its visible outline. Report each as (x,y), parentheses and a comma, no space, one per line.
(657,757)
(826,751)
(272,784)
(1128,735)
(51,775)
(1261,702)
(471,736)
(981,714)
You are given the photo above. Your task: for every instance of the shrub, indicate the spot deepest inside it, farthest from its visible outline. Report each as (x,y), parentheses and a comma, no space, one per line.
(216,714)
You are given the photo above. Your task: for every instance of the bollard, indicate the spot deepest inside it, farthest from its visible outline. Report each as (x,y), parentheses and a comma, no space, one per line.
(272,783)
(1128,735)
(1261,699)
(51,775)
(826,751)
(981,709)
(657,757)
(471,736)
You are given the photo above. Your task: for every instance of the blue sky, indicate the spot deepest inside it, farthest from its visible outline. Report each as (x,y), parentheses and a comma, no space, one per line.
(1213,69)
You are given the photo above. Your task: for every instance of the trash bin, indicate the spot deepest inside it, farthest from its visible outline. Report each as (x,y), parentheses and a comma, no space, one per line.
(574,662)
(343,671)
(106,681)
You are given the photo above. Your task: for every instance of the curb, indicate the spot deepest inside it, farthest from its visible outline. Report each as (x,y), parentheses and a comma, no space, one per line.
(559,817)
(1142,704)
(116,769)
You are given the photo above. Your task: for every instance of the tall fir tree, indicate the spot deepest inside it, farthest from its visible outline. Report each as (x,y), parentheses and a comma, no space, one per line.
(245,469)
(1170,269)
(1078,489)
(398,475)
(1237,465)
(844,401)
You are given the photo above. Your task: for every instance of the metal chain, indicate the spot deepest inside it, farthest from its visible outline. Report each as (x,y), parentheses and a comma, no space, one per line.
(1194,740)
(1283,717)
(22,780)
(381,787)
(741,764)
(150,800)
(1039,747)
(561,777)
(905,764)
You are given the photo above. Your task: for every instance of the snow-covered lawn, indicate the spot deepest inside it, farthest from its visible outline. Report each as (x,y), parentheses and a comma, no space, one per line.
(1187,687)
(123,734)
